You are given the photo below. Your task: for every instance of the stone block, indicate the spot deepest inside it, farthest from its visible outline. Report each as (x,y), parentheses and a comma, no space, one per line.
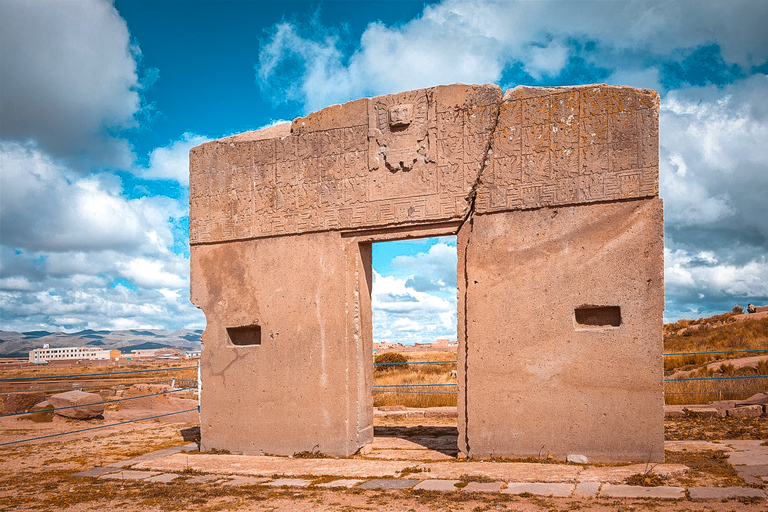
(81,405)
(203,479)
(746,411)
(705,412)
(244,480)
(11,403)
(546,366)
(40,413)
(720,493)
(163,478)
(586,489)
(484,486)
(129,474)
(437,485)
(576,458)
(345,483)
(540,489)
(389,484)
(636,491)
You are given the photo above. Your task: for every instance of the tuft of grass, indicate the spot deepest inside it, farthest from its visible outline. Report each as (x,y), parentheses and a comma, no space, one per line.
(414,469)
(475,478)
(645,480)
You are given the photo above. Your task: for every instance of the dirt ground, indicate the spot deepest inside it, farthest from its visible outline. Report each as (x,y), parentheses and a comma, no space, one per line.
(39,475)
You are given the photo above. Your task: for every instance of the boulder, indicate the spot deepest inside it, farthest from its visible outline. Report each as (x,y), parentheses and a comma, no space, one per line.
(11,403)
(90,402)
(40,413)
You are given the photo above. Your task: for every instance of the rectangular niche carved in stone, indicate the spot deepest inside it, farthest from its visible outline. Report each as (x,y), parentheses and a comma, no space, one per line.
(245,336)
(591,317)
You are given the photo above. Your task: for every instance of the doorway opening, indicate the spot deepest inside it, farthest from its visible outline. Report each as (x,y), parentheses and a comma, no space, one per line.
(414,333)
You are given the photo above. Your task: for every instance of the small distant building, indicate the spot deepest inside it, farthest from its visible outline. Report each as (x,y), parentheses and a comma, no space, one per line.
(192,354)
(45,354)
(154,353)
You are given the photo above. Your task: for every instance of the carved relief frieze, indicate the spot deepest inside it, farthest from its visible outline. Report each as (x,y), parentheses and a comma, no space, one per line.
(409,160)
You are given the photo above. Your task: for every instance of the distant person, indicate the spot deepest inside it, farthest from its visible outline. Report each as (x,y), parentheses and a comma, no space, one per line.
(751,308)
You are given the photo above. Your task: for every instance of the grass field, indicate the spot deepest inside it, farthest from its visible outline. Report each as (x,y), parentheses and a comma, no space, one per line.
(418,374)
(714,334)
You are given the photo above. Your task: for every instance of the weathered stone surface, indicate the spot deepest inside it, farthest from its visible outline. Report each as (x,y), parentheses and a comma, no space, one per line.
(204,479)
(719,493)
(586,489)
(40,413)
(11,403)
(636,491)
(281,226)
(388,484)
(163,478)
(617,474)
(746,411)
(82,405)
(438,485)
(576,458)
(128,474)
(484,486)
(344,482)
(573,380)
(705,412)
(539,489)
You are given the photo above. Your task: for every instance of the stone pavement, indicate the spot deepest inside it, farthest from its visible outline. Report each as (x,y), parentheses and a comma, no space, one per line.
(750,458)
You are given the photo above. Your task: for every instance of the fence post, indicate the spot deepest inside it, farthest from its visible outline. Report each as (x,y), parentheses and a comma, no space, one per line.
(199,390)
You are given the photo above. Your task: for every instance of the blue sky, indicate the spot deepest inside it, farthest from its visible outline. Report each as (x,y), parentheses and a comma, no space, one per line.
(100,103)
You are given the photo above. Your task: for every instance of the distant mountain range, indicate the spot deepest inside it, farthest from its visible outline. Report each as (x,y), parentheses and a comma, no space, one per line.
(18,344)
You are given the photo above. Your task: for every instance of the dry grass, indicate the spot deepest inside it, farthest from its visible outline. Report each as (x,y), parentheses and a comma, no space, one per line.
(730,335)
(716,333)
(419,374)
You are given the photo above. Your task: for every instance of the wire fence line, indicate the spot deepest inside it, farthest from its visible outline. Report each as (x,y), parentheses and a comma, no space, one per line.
(98,403)
(396,388)
(104,374)
(714,352)
(97,427)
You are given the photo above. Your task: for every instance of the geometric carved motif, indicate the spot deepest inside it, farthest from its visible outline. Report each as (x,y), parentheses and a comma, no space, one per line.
(415,157)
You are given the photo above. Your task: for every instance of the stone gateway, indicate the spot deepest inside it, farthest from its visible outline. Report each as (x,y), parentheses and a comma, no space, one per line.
(553,196)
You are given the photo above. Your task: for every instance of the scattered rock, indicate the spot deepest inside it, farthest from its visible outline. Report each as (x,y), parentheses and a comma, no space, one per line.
(577,459)
(40,413)
(388,408)
(704,412)
(91,406)
(746,411)
(12,403)
(760,398)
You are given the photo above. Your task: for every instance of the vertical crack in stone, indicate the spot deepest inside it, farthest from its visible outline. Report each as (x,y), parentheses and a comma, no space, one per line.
(471,198)
(466,337)
(472,195)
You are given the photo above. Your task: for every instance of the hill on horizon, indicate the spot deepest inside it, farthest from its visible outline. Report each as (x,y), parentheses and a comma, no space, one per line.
(19,344)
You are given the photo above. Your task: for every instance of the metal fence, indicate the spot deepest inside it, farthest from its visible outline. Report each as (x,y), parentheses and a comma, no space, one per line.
(188,385)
